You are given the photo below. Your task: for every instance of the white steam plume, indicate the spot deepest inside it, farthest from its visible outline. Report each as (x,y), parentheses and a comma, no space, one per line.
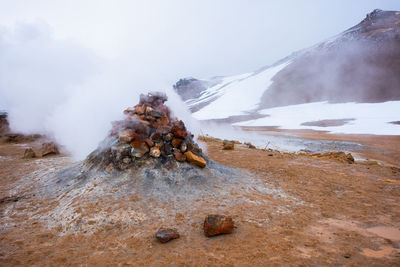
(62,89)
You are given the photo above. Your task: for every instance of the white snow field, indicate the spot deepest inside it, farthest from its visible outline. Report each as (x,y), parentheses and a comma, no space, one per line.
(367,118)
(237,95)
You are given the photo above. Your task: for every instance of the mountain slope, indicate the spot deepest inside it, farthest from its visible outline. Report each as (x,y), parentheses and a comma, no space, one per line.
(360,65)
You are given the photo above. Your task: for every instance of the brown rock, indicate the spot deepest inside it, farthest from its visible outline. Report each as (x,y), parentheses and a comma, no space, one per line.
(178,132)
(217,224)
(179,156)
(166,234)
(156,137)
(195,160)
(250,145)
(29,153)
(139,149)
(49,149)
(228,145)
(155,152)
(176,142)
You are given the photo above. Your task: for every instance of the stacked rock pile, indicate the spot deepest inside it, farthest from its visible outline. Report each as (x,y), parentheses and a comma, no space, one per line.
(149,131)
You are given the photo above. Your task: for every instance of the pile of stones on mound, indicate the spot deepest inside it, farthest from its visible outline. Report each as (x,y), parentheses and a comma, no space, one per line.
(149,131)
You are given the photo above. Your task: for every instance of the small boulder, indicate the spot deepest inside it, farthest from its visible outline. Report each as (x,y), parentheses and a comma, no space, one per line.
(195,160)
(228,145)
(49,149)
(217,224)
(29,153)
(166,234)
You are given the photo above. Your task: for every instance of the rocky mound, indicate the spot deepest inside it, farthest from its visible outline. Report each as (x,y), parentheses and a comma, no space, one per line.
(147,135)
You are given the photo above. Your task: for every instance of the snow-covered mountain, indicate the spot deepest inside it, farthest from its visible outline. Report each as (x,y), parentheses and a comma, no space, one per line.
(360,65)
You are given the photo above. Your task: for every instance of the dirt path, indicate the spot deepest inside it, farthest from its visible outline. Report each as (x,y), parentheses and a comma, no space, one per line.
(324,213)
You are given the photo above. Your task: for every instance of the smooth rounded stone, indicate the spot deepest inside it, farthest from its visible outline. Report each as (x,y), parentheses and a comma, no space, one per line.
(29,153)
(228,145)
(179,156)
(49,149)
(217,224)
(166,234)
(155,152)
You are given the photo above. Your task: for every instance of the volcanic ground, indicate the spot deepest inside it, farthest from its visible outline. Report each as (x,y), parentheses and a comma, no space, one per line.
(288,208)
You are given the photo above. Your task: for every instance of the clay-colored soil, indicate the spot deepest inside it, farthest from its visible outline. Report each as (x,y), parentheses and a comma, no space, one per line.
(325,212)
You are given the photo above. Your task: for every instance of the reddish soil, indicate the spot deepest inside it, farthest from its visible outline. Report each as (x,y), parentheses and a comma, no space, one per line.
(344,214)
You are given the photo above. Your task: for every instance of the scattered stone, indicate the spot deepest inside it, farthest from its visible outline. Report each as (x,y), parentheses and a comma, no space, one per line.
(29,153)
(228,145)
(339,156)
(250,145)
(166,234)
(195,160)
(49,149)
(217,224)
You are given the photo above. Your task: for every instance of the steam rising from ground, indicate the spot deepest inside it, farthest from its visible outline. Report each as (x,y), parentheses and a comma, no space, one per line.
(62,89)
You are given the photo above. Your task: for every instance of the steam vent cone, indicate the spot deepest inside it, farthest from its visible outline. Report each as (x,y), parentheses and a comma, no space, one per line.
(154,151)
(147,136)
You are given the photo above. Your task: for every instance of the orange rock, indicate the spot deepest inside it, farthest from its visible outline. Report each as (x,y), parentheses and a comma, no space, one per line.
(176,142)
(217,224)
(195,160)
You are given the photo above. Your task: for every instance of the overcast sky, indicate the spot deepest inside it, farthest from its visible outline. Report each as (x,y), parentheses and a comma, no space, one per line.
(193,38)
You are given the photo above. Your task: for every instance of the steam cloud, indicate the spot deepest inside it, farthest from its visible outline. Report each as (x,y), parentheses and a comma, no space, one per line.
(62,89)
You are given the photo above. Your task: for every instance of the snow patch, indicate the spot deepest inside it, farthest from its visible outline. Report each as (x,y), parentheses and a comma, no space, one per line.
(369,118)
(239,96)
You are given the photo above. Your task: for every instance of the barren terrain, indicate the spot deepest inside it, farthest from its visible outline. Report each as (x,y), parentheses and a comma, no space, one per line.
(288,209)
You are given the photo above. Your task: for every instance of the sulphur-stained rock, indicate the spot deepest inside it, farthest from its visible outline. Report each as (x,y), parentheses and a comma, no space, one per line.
(155,152)
(217,224)
(179,156)
(166,234)
(176,142)
(139,149)
(49,149)
(228,145)
(29,153)
(195,160)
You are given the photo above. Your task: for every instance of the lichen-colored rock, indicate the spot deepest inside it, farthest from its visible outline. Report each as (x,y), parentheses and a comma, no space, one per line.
(195,160)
